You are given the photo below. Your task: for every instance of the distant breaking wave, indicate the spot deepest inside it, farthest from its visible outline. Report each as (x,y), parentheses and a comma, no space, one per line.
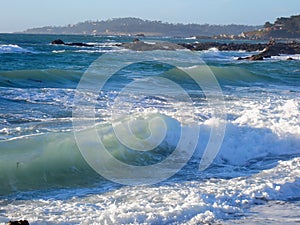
(54,78)
(13,49)
(58,78)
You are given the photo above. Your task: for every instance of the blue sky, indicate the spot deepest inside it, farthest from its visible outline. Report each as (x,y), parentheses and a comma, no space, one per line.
(18,15)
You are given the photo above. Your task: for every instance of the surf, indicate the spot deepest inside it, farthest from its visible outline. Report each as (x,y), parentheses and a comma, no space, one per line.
(13,48)
(48,78)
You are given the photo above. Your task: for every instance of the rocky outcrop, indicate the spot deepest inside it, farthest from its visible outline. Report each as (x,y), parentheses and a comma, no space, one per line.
(20,222)
(266,50)
(275,49)
(252,58)
(138,45)
(57,42)
(290,59)
(224,46)
(80,44)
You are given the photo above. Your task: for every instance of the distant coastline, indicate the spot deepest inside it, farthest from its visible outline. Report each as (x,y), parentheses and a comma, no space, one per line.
(139,27)
(282,28)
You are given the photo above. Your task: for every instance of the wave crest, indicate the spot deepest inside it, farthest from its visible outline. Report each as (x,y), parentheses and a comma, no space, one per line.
(13,49)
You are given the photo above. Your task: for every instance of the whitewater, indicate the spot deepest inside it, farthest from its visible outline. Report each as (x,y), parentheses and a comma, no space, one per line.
(159,107)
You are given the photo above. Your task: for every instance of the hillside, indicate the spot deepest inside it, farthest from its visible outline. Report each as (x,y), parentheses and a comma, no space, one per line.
(283,27)
(133,26)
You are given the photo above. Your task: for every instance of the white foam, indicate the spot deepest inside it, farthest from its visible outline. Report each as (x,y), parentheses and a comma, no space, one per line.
(12,49)
(115,49)
(94,43)
(58,51)
(279,212)
(279,114)
(109,43)
(213,54)
(285,57)
(257,129)
(150,42)
(213,50)
(191,38)
(193,202)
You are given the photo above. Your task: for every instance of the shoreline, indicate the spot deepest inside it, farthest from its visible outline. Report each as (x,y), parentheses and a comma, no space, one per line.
(272,48)
(265,50)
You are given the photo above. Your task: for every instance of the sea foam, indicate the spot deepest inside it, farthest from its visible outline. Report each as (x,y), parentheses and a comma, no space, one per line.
(13,49)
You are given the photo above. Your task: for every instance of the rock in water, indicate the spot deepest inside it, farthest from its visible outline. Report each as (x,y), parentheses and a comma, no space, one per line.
(138,45)
(256,57)
(290,58)
(58,42)
(80,44)
(20,222)
(252,58)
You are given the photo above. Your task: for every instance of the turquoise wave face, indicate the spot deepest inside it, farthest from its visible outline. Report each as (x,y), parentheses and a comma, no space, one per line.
(226,75)
(53,160)
(43,162)
(51,78)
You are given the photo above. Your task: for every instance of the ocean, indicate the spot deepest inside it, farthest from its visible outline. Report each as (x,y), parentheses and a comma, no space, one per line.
(104,135)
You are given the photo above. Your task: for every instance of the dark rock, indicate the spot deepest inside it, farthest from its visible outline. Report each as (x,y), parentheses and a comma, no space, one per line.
(80,44)
(223,46)
(142,46)
(267,50)
(58,42)
(256,57)
(252,58)
(290,58)
(267,56)
(136,40)
(20,222)
(275,49)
